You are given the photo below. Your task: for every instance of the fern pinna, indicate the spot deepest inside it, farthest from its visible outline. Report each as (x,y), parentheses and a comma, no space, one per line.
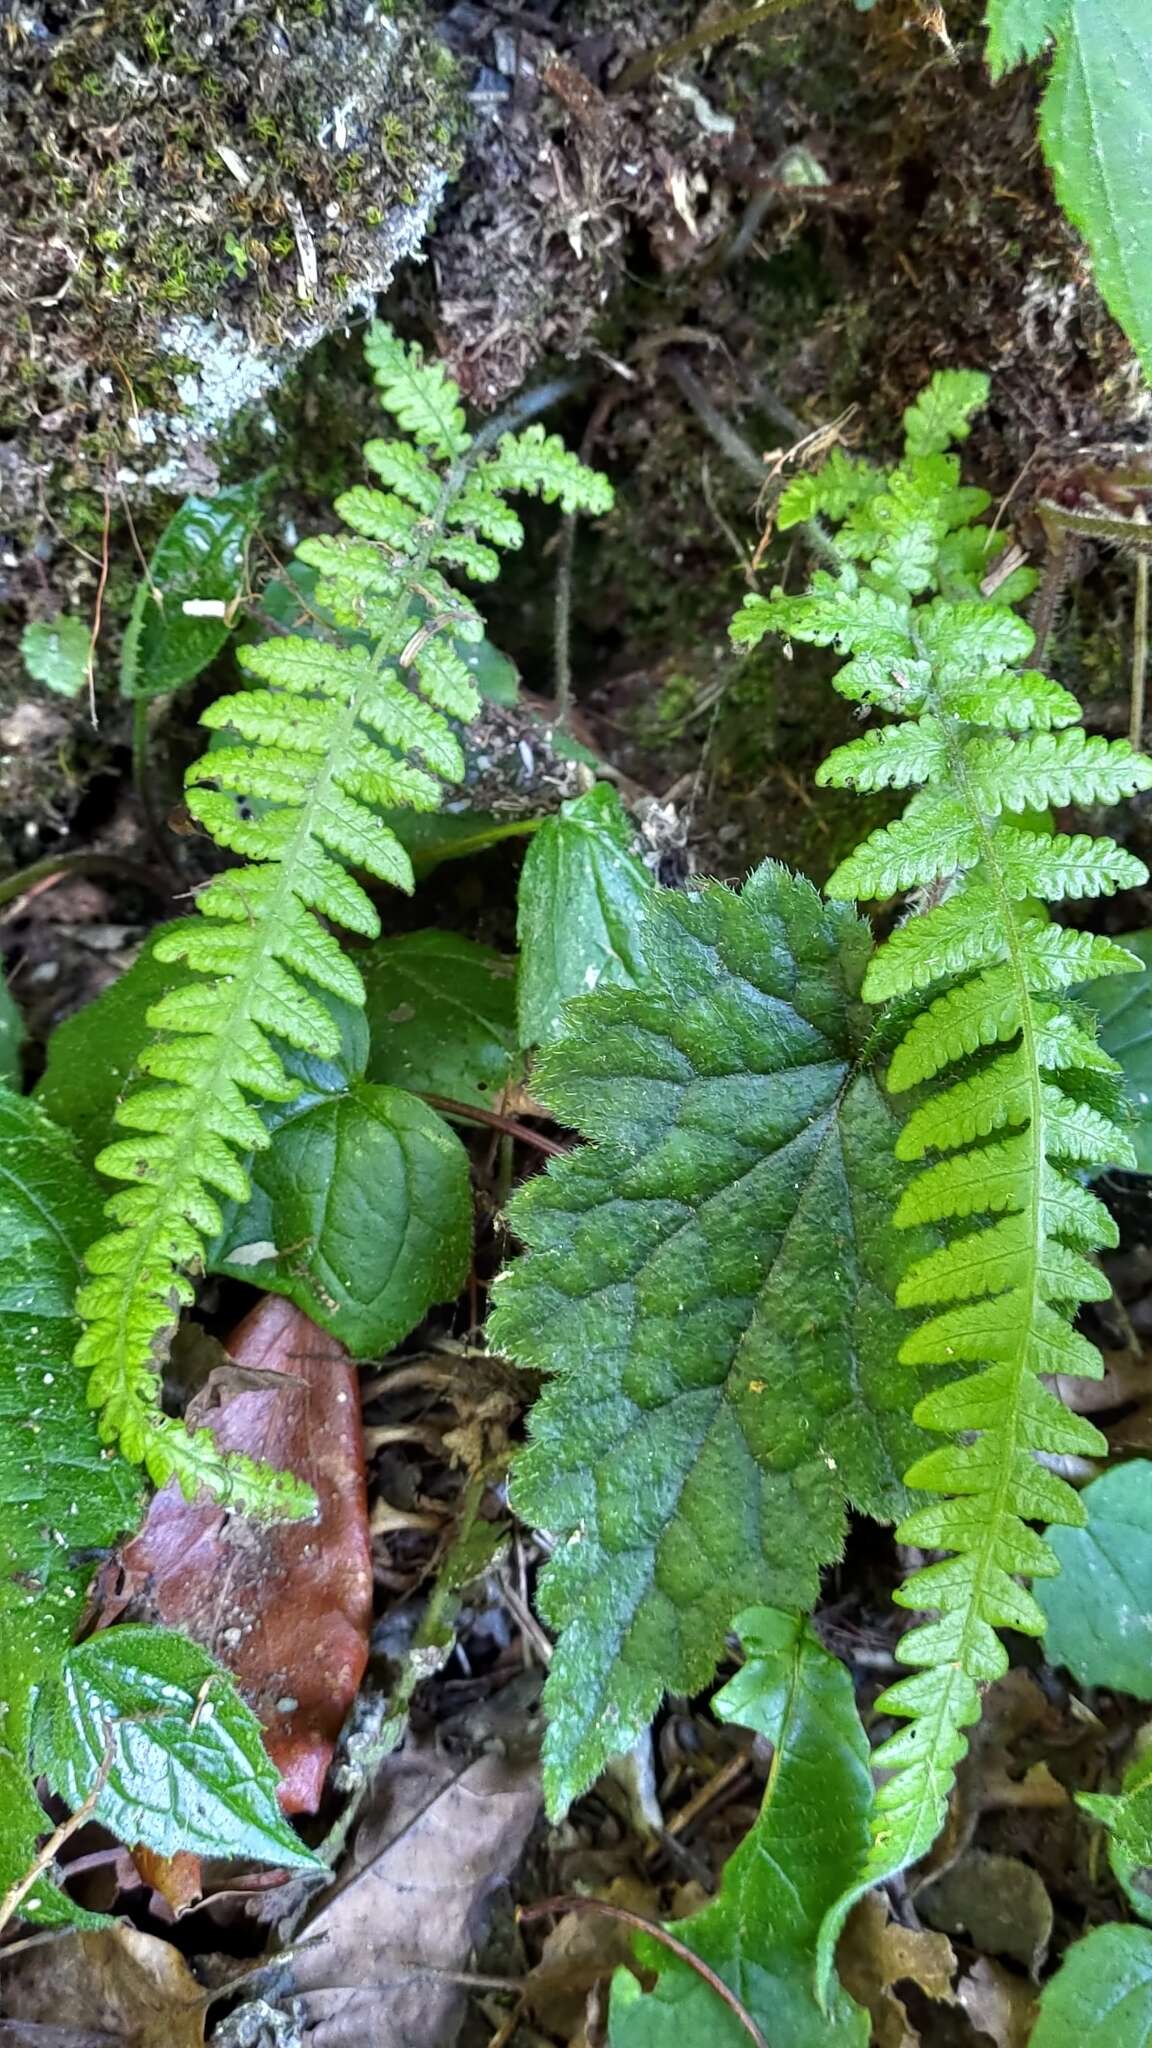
(330,733)
(1013,1091)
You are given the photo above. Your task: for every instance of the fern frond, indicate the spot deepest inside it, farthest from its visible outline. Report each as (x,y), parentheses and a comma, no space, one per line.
(1027,1095)
(326,738)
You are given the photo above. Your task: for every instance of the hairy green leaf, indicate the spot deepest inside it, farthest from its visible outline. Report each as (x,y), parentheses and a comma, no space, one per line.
(61,1496)
(1094,135)
(583,893)
(198,561)
(360,1212)
(56,653)
(441,1014)
(1101,1996)
(1099,1610)
(759,1935)
(187,1769)
(710,1284)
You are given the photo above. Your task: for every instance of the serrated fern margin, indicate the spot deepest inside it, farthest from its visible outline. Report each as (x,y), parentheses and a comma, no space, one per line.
(1014,1096)
(327,736)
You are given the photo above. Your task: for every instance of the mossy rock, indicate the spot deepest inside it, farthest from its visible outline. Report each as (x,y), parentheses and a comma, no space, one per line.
(196,193)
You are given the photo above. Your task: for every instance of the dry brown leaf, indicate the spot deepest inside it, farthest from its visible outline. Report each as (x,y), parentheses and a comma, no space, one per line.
(997,1903)
(381,1956)
(288,1607)
(998,2003)
(876,1953)
(582,1949)
(117,1984)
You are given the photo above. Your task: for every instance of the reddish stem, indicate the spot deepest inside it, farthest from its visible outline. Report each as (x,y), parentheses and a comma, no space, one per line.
(575,1903)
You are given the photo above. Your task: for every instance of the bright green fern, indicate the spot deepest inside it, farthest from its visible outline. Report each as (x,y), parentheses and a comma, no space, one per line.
(1014,1095)
(326,738)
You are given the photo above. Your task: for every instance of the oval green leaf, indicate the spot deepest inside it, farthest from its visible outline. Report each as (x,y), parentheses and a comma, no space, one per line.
(441,1015)
(360,1213)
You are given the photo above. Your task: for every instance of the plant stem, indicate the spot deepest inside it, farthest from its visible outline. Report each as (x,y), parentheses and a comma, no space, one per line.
(47,1853)
(471,1113)
(1139,643)
(735,447)
(61,866)
(140,779)
(716,30)
(576,1902)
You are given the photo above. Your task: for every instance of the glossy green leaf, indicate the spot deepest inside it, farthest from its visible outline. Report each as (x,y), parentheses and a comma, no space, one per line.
(583,893)
(199,560)
(56,653)
(759,1935)
(431,837)
(188,1768)
(11,1038)
(92,1056)
(1101,1996)
(441,1015)
(62,1497)
(1123,1005)
(710,1286)
(1100,1608)
(360,1213)
(1095,135)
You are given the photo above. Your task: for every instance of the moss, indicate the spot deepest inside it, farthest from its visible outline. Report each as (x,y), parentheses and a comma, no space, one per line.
(168,171)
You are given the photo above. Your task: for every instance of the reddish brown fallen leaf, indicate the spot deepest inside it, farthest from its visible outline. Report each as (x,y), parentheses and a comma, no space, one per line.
(287,1608)
(176,1878)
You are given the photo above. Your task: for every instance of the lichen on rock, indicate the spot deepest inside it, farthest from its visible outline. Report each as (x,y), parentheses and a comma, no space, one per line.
(196,192)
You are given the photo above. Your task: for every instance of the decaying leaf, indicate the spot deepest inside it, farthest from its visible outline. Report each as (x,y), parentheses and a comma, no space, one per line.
(380,1959)
(117,1985)
(998,2003)
(876,1954)
(995,1902)
(581,1950)
(286,1607)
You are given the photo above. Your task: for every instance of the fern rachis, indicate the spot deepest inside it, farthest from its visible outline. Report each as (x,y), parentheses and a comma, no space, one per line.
(332,736)
(979,971)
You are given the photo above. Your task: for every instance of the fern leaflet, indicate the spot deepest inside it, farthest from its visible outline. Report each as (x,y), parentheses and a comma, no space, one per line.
(1030,1097)
(327,737)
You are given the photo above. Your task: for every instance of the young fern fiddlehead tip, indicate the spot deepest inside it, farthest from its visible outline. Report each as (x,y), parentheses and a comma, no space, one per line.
(1014,1094)
(328,734)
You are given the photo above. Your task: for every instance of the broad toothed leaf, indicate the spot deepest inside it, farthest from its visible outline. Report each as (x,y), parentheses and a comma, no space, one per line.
(709,1284)
(187,1769)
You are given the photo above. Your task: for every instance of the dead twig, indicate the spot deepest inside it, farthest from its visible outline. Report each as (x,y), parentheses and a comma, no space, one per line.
(62,867)
(49,1850)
